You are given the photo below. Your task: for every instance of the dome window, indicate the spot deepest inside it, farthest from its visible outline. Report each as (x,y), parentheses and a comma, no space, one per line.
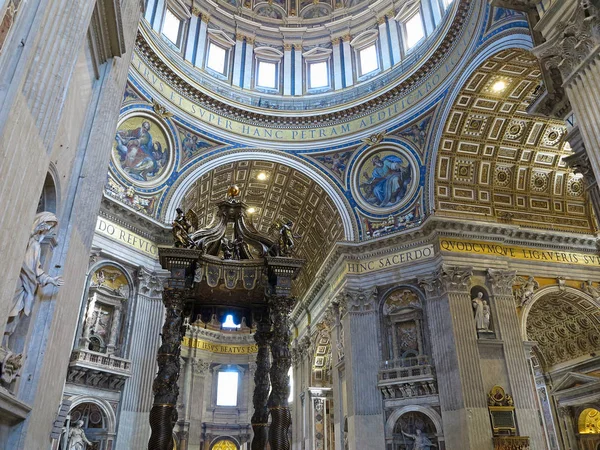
(318,75)
(227,388)
(369,60)
(268,63)
(217,56)
(414,31)
(267,74)
(171,28)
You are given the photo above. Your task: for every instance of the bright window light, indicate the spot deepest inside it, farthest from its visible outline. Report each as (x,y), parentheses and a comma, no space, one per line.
(267,74)
(227,388)
(291,384)
(414,30)
(216,58)
(171,27)
(229,323)
(368,60)
(447,3)
(319,75)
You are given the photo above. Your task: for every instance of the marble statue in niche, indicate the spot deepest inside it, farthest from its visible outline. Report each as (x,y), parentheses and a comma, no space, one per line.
(481,312)
(415,431)
(386,178)
(141,150)
(77,438)
(32,275)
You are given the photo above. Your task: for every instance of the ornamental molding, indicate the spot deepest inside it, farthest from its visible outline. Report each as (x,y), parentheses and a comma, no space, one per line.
(575,42)
(198,332)
(151,284)
(428,233)
(146,51)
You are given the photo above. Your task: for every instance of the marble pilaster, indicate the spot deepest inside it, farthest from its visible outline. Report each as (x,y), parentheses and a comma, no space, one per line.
(521,387)
(463,399)
(248,64)
(362,358)
(287,69)
(298,70)
(238,60)
(191,42)
(201,42)
(347,61)
(337,65)
(384,43)
(396,46)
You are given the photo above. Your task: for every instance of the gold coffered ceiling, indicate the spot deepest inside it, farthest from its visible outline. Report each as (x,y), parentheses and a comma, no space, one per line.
(565,326)
(284,194)
(496,162)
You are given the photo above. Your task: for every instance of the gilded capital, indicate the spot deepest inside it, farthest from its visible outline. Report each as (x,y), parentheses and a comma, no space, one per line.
(205,17)
(287,47)
(346,38)
(381,20)
(298,47)
(196,11)
(250,40)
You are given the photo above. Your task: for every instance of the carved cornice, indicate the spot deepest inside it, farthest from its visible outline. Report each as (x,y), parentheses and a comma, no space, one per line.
(147,52)
(429,232)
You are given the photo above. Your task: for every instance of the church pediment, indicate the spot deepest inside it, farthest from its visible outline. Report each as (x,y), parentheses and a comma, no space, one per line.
(574,380)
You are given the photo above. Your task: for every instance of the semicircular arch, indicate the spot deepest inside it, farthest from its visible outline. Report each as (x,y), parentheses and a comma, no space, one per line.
(104,406)
(342,205)
(427,411)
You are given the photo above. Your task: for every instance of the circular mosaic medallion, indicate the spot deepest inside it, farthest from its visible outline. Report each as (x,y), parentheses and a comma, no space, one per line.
(385,179)
(142,151)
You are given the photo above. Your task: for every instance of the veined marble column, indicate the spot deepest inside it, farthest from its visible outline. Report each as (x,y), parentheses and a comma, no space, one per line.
(519,374)
(463,399)
(384,43)
(201,42)
(347,62)
(362,358)
(200,369)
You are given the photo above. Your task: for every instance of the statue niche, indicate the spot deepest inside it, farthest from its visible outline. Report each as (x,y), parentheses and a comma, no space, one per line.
(415,431)
(107,301)
(482,314)
(403,325)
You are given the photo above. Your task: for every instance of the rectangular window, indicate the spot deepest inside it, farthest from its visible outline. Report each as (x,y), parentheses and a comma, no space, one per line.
(318,75)
(171,27)
(216,58)
(369,61)
(227,388)
(414,30)
(267,74)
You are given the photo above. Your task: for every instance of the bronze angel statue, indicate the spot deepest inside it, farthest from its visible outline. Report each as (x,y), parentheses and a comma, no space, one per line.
(183,226)
(286,242)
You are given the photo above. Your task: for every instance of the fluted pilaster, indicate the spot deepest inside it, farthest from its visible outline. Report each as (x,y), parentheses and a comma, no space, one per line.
(521,387)
(456,355)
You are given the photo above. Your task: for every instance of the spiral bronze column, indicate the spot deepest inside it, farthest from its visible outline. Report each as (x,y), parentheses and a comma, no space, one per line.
(260,418)
(281,418)
(163,414)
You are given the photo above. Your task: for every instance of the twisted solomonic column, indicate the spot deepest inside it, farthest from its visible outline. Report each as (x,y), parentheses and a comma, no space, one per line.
(281,418)
(260,418)
(163,414)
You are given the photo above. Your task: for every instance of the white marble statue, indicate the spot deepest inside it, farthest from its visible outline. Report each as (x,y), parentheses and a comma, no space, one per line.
(486,315)
(420,442)
(32,275)
(589,288)
(77,438)
(478,307)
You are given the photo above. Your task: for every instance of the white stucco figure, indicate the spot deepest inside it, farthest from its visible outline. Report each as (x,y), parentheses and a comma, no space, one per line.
(420,442)
(77,438)
(32,275)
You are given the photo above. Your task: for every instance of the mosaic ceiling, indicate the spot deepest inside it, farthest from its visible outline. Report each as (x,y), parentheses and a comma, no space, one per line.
(284,194)
(498,163)
(565,327)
